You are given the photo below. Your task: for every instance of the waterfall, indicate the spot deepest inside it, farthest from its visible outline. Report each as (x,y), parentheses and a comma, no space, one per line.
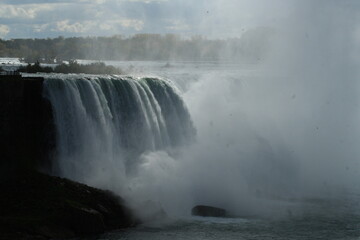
(103,123)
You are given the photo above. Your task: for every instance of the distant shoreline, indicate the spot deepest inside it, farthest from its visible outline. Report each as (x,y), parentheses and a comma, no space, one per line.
(71,67)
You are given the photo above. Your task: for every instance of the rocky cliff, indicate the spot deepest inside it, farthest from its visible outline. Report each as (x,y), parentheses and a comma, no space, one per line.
(27,136)
(38,206)
(34,205)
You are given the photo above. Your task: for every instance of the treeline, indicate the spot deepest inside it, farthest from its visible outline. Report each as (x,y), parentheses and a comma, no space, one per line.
(72,67)
(250,47)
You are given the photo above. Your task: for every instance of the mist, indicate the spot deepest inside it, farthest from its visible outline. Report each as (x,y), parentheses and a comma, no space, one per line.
(285,130)
(270,135)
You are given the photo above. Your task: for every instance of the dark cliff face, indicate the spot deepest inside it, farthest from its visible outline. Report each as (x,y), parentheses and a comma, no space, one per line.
(27,136)
(37,206)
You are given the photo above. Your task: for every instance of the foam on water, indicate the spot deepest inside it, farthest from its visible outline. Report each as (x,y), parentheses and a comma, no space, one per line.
(104,123)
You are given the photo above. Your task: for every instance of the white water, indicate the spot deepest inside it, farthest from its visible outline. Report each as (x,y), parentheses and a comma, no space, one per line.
(277,139)
(269,136)
(104,124)
(248,156)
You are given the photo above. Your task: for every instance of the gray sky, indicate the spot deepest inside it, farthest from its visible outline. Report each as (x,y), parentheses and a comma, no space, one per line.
(213,18)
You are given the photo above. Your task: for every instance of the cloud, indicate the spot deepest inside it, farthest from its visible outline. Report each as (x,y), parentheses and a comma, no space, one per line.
(213,18)
(93,1)
(40,18)
(93,26)
(131,23)
(22,11)
(16,12)
(147,1)
(177,25)
(77,27)
(40,27)
(4,30)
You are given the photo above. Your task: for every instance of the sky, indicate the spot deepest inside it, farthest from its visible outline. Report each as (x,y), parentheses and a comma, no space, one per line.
(212,18)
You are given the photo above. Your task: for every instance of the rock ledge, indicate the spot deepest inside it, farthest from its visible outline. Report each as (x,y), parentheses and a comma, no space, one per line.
(208,211)
(38,206)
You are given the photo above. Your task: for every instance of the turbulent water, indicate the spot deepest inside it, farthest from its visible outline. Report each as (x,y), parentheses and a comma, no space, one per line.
(214,143)
(104,123)
(276,143)
(241,229)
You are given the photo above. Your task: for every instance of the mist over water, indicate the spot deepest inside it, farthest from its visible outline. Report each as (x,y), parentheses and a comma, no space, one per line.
(286,130)
(269,136)
(104,123)
(315,63)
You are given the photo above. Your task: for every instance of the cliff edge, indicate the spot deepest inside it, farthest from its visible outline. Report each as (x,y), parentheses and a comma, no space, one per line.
(37,206)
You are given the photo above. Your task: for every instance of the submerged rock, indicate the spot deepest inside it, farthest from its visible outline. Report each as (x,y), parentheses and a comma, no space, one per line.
(37,206)
(208,211)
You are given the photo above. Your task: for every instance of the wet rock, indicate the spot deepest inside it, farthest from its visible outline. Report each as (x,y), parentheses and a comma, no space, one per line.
(208,211)
(35,205)
(27,131)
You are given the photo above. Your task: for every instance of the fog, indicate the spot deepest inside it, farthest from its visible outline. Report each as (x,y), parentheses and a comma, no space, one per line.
(287,130)
(270,136)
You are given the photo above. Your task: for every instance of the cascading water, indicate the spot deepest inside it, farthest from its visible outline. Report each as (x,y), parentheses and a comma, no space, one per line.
(104,123)
(270,136)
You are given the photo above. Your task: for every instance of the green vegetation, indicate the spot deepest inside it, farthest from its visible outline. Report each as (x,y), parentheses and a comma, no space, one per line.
(250,47)
(72,67)
(34,68)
